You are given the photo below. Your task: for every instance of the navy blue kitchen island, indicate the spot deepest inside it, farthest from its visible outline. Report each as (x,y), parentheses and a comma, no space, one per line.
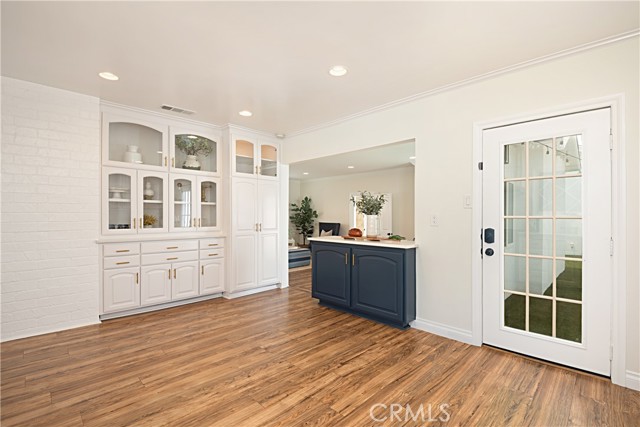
(376,280)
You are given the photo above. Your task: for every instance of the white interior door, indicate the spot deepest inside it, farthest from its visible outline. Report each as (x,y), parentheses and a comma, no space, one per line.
(547,264)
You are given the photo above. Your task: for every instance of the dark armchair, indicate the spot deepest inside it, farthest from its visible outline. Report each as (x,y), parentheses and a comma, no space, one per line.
(333,227)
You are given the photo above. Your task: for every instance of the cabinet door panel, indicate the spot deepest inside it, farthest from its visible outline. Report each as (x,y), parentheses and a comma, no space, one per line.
(331,274)
(268,200)
(155,286)
(212,276)
(185,280)
(245,262)
(268,256)
(245,205)
(377,282)
(120,289)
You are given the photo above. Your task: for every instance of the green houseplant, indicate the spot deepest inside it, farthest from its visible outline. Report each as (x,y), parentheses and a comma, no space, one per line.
(302,218)
(193,146)
(369,205)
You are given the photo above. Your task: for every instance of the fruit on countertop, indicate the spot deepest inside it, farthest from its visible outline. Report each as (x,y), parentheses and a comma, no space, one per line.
(355,232)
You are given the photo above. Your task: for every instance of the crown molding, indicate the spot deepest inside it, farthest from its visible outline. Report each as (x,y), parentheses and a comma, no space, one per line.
(472,80)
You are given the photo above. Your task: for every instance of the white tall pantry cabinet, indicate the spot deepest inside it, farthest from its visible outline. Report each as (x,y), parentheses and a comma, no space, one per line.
(254,229)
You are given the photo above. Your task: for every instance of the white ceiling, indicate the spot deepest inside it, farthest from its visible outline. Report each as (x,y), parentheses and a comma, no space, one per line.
(368,160)
(272,58)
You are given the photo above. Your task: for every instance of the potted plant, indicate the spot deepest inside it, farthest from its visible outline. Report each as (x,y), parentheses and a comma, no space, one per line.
(369,205)
(302,218)
(193,146)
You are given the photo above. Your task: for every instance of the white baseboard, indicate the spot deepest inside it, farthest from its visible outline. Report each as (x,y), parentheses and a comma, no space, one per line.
(239,294)
(45,331)
(443,330)
(141,310)
(633,380)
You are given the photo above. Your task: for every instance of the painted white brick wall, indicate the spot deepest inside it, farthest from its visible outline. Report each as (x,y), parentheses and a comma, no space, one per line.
(50,209)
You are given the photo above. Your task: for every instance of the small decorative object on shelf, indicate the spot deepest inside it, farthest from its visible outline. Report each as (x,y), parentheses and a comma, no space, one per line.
(132,155)
(149,220)
(205,190)
(370,206)
(355,232)
(148,192)
(193,146)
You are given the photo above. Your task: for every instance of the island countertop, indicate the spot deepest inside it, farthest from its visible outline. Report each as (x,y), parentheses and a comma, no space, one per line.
(385,243)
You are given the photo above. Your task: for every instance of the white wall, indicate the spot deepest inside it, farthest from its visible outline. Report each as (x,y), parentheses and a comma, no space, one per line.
(50,209)
(442,125)
(330,196)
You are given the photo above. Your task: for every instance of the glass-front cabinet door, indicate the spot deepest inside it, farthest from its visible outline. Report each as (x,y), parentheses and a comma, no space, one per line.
(118,206)
(128,142)
(152,202)
(268,160)
(195,151)
(208,203)
(182,192)
(244,156)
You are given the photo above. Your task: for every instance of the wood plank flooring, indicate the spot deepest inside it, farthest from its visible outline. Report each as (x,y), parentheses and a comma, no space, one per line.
(279,359)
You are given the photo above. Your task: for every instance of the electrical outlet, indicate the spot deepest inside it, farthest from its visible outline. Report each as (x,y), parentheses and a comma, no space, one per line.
(434,221)
(466,201)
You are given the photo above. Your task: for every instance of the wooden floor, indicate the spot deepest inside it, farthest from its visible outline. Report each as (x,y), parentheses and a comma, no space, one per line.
(278,358)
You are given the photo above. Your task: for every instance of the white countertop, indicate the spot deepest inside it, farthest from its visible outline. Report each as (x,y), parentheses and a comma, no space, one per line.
(399,244)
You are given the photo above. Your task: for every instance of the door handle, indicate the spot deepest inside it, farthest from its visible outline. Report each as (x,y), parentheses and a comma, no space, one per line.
(489,235)
(489,252)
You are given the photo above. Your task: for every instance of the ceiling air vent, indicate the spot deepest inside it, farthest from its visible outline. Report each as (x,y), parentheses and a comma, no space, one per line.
(177,109)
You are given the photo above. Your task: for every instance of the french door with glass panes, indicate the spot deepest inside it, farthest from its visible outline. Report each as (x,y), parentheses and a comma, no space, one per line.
(546,239)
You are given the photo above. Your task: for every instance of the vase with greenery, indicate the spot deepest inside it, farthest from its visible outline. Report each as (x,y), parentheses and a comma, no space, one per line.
(193,146)
(302,218)
(369,205)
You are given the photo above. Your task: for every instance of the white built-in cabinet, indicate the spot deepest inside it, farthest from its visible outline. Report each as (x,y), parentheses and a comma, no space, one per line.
(150,184)
(143,274)
(255,198)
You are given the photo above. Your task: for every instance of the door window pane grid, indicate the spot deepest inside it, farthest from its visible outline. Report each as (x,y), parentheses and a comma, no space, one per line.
(535,308)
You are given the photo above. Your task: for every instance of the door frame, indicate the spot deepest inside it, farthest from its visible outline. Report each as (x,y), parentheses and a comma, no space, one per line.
(619,218)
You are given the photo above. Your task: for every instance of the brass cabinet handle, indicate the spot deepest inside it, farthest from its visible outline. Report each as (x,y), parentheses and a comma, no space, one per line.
(256,170)
(165,160)
(169,273)
(172,247)
(173,162)
(137,278)
(122,263)
(174,273)
(202,267)
(199,222)
(122,250)
(260,227)
(346,258)
(353,259)
(213,244)
(134,223)
(213,254)
(140,223)
(171,259)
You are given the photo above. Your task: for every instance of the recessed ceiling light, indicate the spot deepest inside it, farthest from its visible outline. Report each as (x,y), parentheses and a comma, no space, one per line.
(337,71)
(245,113)
(412,157)
(305,173)
(350,167)
(280,135)
(108,76)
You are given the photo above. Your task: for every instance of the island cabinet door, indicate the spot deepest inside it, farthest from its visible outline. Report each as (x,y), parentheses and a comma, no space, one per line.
(331,277)
(377,282)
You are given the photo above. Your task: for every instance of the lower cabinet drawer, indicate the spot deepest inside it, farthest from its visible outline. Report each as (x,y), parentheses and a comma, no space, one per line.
(169,246)
(211,254)
(121,261)
(213,243)
(117,249)
(149,259)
